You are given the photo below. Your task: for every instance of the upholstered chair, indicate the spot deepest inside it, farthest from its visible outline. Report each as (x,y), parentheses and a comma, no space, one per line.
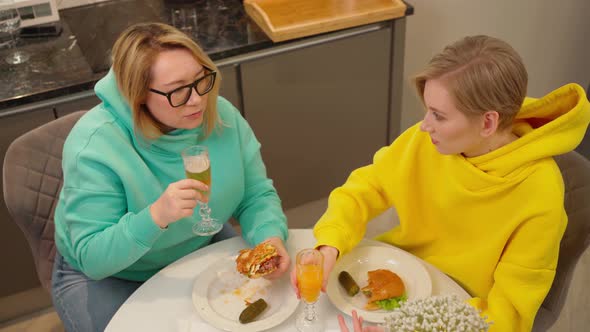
(565,307)
(32,182)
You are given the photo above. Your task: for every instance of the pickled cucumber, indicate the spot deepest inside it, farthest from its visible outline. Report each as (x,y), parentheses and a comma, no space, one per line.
(348,283)
(252,311)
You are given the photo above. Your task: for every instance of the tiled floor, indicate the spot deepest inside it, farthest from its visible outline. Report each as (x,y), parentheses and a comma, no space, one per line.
(43,321)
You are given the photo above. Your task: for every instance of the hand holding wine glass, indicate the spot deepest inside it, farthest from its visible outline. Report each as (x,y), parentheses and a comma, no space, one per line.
(198,167)
(177,201)
(330,255)
(309,271)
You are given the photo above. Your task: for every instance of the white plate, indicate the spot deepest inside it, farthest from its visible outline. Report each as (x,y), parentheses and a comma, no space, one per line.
(363,259)
(220,292)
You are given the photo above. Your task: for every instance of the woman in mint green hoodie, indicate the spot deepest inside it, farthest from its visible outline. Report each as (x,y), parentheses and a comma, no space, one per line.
(126,209)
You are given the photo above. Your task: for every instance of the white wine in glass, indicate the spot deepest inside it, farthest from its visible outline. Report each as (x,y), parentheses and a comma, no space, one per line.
(197,166)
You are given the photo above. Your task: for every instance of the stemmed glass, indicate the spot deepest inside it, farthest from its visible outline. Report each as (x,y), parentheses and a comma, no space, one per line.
(198,167)
(9,27)
(184,18)
(309,270)
(220,4)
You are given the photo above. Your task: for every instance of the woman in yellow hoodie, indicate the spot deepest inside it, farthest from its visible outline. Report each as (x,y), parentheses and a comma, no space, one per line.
(474,184)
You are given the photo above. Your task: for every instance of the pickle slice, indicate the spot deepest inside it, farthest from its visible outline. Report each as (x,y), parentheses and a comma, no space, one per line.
(252,311)
(348,283)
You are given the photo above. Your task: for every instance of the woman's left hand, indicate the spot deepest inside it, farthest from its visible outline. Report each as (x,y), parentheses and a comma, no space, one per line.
(357,324)
(284,260)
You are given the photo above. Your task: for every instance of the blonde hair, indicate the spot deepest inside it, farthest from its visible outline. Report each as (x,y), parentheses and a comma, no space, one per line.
(133,55)
(482,74)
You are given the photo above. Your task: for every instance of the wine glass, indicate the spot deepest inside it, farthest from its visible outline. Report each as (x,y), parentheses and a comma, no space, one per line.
(9,27)
(198,167)
(184,18)
(309,270)
(219,5)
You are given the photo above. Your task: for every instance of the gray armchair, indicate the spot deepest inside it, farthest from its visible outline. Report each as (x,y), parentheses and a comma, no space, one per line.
(565,308)
(584,147)
(32,182)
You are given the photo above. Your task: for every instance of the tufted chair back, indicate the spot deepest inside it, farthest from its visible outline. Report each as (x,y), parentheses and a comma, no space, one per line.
(32,182)
(575,170)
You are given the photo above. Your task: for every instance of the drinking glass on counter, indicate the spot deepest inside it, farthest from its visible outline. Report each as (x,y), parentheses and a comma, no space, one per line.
(218,4)
(184,18)
(198,167)
(309,265)
(9,27)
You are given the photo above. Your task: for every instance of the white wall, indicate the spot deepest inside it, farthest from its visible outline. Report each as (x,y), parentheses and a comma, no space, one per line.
(553,37)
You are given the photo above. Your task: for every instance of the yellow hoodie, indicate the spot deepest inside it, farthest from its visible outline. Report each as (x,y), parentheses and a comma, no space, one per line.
(493,222)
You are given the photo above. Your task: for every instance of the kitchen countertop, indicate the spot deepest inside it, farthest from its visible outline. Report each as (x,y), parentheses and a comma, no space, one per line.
(76,59)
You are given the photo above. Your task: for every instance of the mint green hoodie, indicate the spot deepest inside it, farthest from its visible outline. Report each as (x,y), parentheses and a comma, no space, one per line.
(103,226)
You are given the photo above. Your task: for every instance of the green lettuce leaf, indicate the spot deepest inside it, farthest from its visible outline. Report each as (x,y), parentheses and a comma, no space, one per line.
(392,303)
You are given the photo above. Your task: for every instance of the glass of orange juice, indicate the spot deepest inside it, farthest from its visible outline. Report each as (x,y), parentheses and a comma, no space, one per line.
(309,270)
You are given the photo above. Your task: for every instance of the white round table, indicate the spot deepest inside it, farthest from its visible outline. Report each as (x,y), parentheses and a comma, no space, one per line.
(164,302)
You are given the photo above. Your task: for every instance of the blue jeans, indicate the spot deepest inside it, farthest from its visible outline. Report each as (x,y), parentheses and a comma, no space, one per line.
(88,305)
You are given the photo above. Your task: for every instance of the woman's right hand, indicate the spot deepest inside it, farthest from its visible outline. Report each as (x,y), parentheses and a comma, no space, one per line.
(357,324)
(178,201)
(330,255)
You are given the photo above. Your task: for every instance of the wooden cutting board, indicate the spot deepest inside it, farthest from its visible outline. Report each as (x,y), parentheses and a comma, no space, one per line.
(288,19)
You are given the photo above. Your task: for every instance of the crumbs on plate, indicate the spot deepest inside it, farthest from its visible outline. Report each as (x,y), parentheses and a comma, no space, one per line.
(242,288)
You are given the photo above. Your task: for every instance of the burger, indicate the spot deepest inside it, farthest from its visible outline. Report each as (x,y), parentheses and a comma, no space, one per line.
(385,290)
(258,261)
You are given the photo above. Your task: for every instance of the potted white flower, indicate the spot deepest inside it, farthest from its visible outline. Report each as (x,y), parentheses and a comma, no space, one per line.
(436,313)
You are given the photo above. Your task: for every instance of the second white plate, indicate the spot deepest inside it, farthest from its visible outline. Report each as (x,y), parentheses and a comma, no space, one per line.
(363,259)
(220,294)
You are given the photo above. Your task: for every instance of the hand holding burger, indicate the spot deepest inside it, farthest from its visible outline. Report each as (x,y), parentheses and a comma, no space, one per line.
(268,259)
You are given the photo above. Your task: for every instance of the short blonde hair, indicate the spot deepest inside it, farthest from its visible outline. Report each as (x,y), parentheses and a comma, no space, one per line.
(133,55)
(482,74)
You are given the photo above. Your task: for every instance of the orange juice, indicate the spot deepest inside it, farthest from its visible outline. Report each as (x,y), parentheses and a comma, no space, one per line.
(309,278)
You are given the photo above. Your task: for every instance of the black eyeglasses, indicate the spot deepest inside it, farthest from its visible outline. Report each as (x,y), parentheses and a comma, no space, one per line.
(181,95)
